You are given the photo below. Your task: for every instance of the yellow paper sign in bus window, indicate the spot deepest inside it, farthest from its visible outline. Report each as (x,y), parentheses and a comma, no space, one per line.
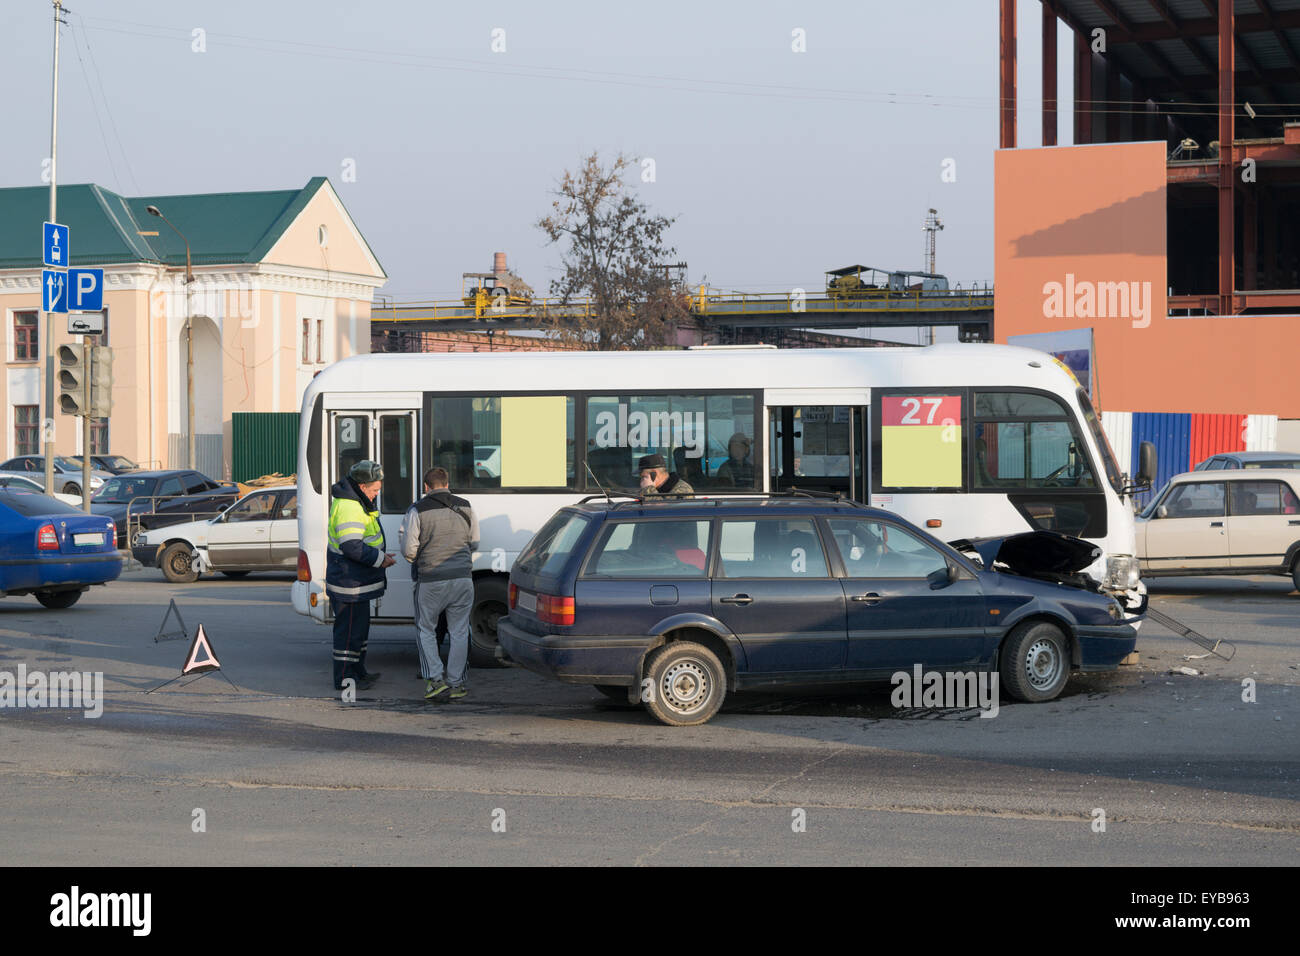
(534,430)
(920,441)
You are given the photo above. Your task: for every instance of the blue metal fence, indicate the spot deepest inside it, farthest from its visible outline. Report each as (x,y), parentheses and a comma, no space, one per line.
(1171,433)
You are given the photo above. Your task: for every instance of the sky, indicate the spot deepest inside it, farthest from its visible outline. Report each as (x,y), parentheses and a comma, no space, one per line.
(786,138)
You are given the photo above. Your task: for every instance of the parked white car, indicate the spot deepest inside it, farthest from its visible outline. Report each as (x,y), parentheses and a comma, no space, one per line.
(487,461)
(1223,522)
(259,532)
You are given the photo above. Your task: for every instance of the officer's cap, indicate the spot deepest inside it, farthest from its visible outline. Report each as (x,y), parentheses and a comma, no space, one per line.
(364,472)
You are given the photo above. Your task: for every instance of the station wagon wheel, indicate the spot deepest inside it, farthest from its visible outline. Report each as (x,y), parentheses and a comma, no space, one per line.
(1035,663)
(688,684)
(178,564)
(1295,573)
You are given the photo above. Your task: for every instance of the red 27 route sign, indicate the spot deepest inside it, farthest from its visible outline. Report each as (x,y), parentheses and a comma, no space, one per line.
(920,441)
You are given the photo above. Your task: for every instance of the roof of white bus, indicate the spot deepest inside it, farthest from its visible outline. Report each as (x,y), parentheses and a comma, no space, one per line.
(937,366)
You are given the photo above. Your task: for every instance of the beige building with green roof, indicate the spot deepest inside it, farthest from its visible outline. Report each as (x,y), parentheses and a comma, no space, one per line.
(283,283)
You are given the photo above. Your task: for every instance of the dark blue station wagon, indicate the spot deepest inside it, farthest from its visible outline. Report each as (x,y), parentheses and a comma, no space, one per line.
(676,602)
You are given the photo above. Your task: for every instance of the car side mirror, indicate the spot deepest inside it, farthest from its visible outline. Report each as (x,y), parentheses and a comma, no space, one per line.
(1146,464)
(1162,512)
(941,577)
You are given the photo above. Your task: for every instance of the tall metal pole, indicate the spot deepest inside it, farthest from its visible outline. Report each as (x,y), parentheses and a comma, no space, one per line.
(47,426)
(189,358)
(85,425)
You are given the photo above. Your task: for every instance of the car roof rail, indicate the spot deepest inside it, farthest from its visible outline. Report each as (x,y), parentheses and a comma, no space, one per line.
(607,497)
(794,494)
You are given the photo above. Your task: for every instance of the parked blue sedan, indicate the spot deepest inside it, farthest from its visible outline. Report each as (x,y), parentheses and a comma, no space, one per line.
(53,550)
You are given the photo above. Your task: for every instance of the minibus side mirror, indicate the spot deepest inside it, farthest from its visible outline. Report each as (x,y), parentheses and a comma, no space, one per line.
(1146,472)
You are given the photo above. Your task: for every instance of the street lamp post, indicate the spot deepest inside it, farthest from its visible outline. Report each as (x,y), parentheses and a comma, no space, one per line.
(189,339)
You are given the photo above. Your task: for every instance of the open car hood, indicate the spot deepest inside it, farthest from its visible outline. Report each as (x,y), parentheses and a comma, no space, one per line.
(1033,553)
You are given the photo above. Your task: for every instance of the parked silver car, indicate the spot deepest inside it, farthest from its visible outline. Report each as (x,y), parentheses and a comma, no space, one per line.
(259,532)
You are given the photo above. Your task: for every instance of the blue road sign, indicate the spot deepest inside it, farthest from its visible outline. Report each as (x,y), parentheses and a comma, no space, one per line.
(54,286)
(54,245)
(85,290)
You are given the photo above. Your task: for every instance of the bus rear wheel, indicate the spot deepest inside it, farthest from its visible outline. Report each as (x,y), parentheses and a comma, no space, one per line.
(491,603)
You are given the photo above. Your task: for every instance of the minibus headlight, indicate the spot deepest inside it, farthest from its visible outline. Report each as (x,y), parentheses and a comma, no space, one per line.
(1122,572)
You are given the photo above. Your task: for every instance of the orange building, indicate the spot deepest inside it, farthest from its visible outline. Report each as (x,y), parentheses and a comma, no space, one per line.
(1171,228)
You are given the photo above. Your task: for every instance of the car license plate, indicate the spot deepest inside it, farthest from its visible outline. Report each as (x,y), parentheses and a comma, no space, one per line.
(88,540)
(527,601)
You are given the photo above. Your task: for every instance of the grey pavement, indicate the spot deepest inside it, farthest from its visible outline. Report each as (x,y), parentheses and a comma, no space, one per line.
(1183,769)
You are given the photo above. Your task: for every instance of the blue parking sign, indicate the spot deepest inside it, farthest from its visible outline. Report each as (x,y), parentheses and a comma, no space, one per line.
(54,289)
(85,290)
(54,245)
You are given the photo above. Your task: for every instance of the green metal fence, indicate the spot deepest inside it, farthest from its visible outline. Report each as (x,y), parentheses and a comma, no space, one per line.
(263,443)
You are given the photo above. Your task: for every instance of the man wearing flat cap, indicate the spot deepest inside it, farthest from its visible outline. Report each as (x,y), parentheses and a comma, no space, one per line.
(657,480)
(354,569)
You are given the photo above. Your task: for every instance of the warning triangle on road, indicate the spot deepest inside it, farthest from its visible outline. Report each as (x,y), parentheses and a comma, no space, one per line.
(201,656)
(166,635)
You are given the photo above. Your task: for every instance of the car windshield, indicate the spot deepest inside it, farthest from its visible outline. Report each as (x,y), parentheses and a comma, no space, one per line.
(122,490)
(64,463)
(1282,463)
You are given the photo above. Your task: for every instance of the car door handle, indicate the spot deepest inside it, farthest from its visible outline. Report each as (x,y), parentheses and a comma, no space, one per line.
(741,599)
(1216,524)
(1293,522)
(871,598)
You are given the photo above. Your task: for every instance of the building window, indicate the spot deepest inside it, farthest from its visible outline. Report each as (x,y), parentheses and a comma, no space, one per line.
(306,341)
(320,340)
(26,337)
(27,427)
(99,436)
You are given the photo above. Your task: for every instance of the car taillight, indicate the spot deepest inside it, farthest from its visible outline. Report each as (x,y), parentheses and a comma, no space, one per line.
(47,539)
(514,595)
(304,567)
(555,610)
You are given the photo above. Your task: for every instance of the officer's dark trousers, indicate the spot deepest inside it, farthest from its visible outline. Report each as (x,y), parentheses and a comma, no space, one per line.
(351,633)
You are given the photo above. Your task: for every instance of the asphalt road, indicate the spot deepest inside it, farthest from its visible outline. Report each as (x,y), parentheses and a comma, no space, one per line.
(530,771)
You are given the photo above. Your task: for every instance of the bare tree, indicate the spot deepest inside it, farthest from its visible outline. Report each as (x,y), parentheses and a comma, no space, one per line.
(615,246)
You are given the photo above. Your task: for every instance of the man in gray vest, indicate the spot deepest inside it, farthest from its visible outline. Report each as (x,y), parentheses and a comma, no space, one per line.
(439,535)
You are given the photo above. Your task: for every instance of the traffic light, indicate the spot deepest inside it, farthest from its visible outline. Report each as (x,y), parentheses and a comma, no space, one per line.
(101,381)
(72,380)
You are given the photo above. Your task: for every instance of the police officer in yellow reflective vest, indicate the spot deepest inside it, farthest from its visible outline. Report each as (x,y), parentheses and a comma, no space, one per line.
(354,569)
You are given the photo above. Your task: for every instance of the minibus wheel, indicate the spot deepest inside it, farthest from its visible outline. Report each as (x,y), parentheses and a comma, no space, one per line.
(491,603)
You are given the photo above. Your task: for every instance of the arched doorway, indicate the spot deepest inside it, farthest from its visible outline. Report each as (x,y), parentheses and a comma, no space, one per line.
(207,396)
